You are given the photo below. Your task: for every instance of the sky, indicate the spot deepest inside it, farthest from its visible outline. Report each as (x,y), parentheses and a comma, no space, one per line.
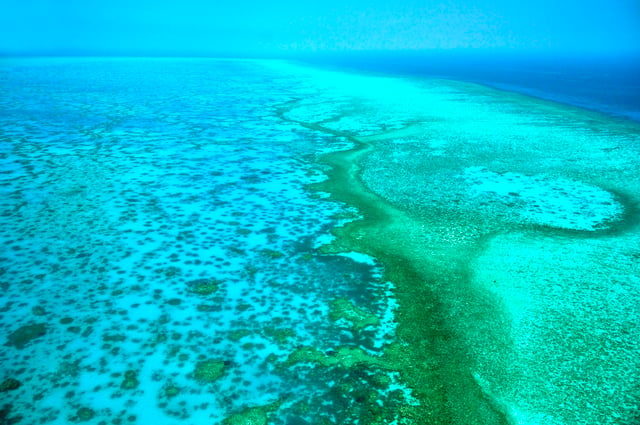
(280,27)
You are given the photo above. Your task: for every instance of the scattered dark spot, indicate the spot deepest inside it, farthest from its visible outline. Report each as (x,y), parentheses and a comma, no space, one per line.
(9,384)
(25,334)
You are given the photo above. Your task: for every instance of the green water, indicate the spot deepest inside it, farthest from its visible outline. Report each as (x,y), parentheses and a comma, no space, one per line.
(251,242)
(513,224)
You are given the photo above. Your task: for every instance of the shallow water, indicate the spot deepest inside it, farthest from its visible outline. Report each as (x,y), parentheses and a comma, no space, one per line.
(180,244)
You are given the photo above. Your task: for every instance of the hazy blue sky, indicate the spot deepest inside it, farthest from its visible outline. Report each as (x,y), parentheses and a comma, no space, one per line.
(248,26)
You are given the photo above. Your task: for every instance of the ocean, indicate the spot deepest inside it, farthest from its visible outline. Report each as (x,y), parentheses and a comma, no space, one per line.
(604,83)
(236,241)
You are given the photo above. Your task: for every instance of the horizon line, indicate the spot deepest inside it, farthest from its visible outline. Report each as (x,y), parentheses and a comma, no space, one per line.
(283,54)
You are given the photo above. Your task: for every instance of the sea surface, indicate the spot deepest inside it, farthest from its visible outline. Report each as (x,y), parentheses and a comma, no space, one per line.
(217,241)
(605,83)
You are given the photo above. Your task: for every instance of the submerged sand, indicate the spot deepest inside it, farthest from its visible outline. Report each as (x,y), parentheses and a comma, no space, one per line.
(264,242)
(509,226)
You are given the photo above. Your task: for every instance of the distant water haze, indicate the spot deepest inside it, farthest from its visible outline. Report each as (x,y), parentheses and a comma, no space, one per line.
(584,53)
(605,83)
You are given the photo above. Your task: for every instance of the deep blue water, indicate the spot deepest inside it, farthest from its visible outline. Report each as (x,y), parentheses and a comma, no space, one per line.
(606,84)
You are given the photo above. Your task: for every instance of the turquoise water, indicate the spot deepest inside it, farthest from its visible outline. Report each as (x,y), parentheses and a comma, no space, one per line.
(605,83)
(125,185)
(172,250)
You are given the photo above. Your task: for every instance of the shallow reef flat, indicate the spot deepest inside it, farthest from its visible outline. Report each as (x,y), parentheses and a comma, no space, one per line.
(159,247)
(236,241)
(510,227)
